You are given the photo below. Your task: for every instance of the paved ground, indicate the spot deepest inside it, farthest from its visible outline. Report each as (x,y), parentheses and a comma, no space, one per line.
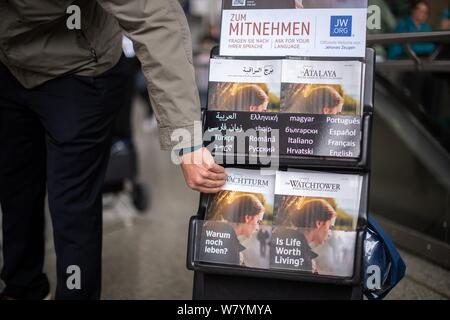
(144,255)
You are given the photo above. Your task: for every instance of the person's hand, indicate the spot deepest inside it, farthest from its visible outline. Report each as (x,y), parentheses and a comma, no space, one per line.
(201,173)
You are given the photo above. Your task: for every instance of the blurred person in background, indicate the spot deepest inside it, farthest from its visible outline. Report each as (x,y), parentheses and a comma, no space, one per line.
(423,87)
(416,22)
(262,236)
(429,89)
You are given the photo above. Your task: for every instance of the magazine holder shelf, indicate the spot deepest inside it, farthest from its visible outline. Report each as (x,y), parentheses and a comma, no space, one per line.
(301,107)
(357,166)
(360,163)
(211,267)
(197,264)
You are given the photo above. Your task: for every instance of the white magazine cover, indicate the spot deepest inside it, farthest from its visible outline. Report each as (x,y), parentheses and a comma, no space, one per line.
(244,85)
(245,180)
(237,218)
(322,87)
(315,222)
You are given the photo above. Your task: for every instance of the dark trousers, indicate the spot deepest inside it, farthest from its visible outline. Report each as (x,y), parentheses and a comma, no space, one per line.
(56,137)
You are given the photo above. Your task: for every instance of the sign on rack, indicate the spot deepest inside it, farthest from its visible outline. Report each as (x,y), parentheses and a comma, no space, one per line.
(312,28)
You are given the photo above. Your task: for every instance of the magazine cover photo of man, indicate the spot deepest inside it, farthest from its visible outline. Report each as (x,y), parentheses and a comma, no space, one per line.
(323,228)
(238,216)
(303,222)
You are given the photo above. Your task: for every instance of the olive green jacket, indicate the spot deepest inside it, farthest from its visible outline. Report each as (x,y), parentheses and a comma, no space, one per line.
(36,45)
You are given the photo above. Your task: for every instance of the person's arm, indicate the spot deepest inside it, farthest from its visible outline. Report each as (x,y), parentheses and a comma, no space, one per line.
(161,38)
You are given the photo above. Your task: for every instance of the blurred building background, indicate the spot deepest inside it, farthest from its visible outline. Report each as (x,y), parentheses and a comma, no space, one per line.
(145,252)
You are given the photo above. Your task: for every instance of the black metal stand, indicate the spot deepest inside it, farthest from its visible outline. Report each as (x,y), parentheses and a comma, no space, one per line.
(234,283)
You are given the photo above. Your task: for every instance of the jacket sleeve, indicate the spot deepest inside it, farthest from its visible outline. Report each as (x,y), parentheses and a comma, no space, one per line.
(162,41)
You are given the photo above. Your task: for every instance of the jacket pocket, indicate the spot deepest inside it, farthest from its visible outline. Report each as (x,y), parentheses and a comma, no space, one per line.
(49,50)
(89,45)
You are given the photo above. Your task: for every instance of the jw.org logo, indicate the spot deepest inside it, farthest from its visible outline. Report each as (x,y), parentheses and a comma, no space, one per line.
(341,26)
(238,3)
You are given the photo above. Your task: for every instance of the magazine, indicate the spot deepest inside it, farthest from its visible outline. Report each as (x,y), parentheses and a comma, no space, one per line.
(315,220)
(322,87)
(237,217)
(289,86)
(300,221)
(244,85)
(314,28)
(285,107)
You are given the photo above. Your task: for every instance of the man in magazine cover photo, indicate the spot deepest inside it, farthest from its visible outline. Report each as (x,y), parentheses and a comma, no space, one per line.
(306,222)
(240,219)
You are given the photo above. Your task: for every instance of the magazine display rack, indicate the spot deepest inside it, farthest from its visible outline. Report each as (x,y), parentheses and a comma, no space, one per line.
(283,270)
